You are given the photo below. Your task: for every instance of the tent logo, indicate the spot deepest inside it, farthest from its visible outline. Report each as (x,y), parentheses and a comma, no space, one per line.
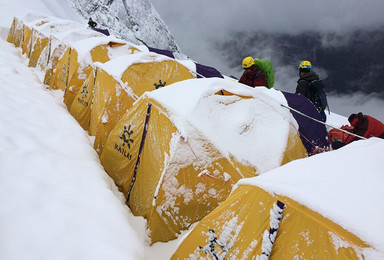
(160,85)
(126,138)
(84,93)
(210,248)
(63,75)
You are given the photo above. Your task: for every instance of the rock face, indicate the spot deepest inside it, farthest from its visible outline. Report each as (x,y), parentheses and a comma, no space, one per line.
(136,21)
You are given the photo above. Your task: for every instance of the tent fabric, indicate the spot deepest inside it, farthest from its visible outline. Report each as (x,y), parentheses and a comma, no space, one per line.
(181,175)
(38,43)
(80,108)
(58,44)
(113,96)
(171,192)
(72,68)
(207,72)
(103,31)
(162,52)
(239,229)
(15,34)
(312,133)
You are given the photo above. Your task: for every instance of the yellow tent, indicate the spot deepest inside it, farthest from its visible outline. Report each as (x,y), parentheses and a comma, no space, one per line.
(15,34)
(76,62)
(255,224)
(44,38)
(121,81)
(166,166)
(80,108)
(79,97)
(308,209)
(59,42)
(30,21)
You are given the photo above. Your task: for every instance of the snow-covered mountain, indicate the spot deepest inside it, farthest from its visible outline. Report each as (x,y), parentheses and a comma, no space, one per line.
(136,21)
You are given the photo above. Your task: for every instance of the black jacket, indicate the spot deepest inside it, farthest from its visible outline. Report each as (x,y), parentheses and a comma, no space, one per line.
(302,84)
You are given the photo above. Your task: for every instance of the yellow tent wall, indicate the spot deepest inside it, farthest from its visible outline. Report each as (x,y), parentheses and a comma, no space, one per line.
(15,34)
(64,70)
(52,63)
(39,42)
(111,102)
(26,44)
(171,192)
(80,108)
(295,148)
(236,230)
(98,54)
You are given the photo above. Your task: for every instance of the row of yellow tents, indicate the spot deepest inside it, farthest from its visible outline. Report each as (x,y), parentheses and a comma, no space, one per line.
(172,176)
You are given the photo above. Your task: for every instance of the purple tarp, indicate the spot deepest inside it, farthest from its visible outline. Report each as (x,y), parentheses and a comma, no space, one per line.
(312,133)
(207,72)
(162,52)
(103,31)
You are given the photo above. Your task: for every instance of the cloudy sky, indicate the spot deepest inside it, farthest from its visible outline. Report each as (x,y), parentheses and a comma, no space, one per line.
(198,25)
(194,24)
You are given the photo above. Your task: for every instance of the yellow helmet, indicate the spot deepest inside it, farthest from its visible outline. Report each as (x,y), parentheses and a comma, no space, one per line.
(304,64)
(248,62)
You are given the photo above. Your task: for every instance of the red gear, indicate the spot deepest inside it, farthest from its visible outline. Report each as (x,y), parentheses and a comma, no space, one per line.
(254,77)
(367,126)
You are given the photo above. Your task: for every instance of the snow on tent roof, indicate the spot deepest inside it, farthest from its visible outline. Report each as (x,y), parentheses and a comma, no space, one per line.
(119,65)
(31,18)
(58,26)
(76,34)
(84,46)
(220,116)
(344,186)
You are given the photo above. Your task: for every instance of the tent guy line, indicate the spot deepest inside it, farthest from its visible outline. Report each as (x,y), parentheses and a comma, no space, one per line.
(318,121)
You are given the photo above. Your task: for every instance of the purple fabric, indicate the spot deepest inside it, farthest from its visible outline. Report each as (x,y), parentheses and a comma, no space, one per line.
(162,52)
(207,72)
(103,31)
(309,129)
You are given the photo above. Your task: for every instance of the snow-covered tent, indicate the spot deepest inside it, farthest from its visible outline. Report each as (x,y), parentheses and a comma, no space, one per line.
(43,39)
(58,43)
(123,80)
(304,210)
(15,34)
(31,20)
(76,63)
(162,159)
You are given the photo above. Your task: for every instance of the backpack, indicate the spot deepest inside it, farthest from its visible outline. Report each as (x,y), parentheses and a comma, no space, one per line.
(266,67)
(318,96)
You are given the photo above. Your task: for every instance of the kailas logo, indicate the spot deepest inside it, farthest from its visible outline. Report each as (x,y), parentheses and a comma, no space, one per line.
(127,141)
(213,243)
(84,90)
(160,85)
(84,95)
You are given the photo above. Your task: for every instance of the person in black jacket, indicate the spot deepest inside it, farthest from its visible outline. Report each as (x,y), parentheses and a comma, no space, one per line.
(307,76)
(92,23)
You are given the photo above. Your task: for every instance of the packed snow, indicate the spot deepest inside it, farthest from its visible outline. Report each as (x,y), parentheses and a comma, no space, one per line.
(57,202)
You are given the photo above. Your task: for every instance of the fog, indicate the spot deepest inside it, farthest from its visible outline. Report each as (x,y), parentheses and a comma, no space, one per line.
(199,26)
